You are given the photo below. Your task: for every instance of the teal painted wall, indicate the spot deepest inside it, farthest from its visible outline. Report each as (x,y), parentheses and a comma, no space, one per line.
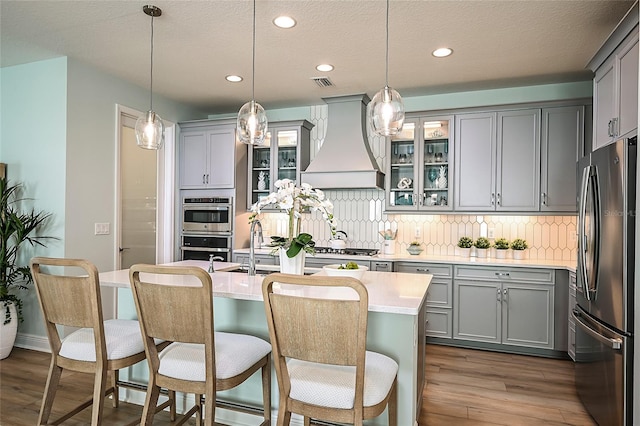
(58,135)
(33,135)
(454,100)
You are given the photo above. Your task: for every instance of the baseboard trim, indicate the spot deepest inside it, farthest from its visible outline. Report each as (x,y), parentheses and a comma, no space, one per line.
(33,342)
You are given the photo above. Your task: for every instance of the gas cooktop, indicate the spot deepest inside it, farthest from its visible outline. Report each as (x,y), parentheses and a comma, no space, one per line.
(347,251)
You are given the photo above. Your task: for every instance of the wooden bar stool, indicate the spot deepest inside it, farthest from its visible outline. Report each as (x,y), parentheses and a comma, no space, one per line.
(323,369)
(99,347)
(199,361)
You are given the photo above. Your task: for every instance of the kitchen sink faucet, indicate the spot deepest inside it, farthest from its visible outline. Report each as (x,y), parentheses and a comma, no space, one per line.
(252,250)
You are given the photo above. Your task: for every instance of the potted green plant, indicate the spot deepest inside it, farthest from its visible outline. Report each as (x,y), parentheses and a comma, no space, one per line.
(501,245)
(464,246)
(17,228)
(519,246)
(482,245)
(415,248)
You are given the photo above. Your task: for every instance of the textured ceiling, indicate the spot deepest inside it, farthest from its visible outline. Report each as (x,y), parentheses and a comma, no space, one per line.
(197,43)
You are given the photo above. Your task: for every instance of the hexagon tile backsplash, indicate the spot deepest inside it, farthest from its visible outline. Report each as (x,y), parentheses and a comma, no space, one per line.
(359,213)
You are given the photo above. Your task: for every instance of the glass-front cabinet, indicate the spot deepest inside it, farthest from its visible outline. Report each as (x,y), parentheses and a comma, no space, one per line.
(284,155)
(419,159)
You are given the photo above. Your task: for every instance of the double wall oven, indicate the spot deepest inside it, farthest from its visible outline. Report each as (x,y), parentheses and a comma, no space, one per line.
(207,228)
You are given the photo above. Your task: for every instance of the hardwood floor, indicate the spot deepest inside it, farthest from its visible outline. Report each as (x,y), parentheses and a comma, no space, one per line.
(464,387)
(473,387)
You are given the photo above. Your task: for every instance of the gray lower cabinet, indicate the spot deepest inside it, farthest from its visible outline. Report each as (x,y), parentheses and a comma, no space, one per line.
(439,296)
(381,266)
(571,329)
(508,306)
(261,259)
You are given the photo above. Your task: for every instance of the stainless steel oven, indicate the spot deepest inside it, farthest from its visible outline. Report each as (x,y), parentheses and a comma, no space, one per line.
(206,215)
(198,247)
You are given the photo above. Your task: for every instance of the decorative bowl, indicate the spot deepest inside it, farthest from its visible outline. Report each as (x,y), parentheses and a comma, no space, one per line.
(414,250)
(333,271)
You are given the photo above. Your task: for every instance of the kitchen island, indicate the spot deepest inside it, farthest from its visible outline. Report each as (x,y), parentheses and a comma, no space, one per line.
(396,328)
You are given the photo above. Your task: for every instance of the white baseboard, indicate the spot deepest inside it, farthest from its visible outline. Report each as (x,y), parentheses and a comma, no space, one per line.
(33,342)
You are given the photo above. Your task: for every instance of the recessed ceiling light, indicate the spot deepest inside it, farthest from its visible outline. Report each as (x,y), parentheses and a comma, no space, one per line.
(325,67)
(442,52)
(233,78)
(284,22)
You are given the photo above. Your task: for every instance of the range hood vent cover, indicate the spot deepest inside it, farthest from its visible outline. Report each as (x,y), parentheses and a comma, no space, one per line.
(344,160)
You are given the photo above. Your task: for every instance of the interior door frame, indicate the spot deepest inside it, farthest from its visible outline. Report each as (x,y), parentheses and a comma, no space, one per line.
(165,193)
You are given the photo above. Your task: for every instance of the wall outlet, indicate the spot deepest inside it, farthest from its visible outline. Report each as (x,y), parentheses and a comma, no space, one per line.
(417,232)
(491,233)
(101,228)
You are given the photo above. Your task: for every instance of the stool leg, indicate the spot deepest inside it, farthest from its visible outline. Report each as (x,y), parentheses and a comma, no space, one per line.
(116,392)
(150,402)
(50,391)
(266,388)
(172,407)
(99,386)
(284,415)
(199,411)
(392,405)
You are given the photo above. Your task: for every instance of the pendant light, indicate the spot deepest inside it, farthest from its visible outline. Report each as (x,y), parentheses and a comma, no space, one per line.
(386,110)
(252,120)
(149,127)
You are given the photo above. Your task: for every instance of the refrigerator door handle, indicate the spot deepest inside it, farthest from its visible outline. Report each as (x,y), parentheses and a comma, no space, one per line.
(613,343)
(592,289)
(582,237)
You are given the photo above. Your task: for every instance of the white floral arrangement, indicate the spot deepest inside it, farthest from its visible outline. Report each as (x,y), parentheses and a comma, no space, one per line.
(294,200)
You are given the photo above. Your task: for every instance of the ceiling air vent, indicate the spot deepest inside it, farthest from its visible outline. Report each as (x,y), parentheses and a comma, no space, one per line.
(322,81)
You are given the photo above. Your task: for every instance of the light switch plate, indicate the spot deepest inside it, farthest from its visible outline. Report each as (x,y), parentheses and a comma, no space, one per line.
(101,228)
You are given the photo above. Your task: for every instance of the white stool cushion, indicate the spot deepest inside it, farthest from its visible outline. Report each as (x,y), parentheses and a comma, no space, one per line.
(123,339)
(235,353)
(334,385)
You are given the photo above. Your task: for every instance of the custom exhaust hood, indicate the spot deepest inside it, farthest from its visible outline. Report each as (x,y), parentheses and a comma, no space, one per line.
(344,160)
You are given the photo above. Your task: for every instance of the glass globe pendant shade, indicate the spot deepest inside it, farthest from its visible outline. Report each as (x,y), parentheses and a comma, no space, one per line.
(252,124)
(386,112)
(150,131)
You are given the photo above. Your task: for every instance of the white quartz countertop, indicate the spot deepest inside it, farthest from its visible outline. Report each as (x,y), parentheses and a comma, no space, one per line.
(456,260)
(389,292)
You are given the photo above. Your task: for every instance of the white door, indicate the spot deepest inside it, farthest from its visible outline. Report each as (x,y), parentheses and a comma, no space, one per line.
(145,196)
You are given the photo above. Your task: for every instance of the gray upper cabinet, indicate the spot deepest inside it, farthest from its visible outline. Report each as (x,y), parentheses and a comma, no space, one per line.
(562,137)
(284,155)
(497,163)
(518,161)
(418,169)
(475,159)
(615,87)
(207,155)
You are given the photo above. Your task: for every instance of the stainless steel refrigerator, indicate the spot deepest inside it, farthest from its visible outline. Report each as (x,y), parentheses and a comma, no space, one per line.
(606,257)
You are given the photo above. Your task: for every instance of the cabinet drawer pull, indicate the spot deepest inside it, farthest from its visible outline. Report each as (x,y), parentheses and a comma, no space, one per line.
(382,265)
(499,200)
(493,199)
(499,298)
(422,269)
(502,274)
(544,198)
(203,179)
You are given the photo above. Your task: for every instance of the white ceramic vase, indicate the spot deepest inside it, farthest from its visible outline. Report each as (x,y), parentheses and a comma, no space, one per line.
(8,331)
(519,254)
(501,254)
(464,251)
(481,252)
(292,265)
